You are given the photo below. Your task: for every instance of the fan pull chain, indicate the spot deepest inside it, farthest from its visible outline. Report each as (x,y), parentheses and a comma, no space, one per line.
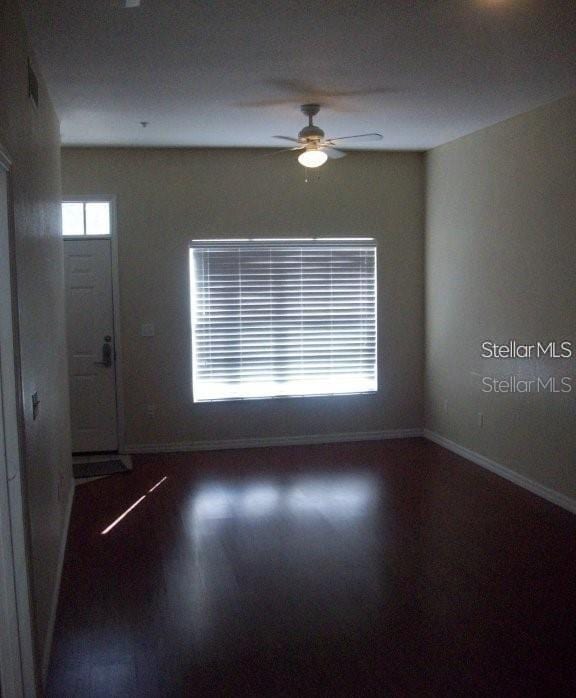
(311,175)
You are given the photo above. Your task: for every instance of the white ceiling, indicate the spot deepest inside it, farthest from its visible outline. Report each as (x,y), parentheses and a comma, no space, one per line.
(436,69)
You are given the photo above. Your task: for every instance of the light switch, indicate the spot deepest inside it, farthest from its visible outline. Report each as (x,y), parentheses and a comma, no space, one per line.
(147,329)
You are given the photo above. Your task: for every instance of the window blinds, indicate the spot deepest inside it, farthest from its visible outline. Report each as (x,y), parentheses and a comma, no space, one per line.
(283,318)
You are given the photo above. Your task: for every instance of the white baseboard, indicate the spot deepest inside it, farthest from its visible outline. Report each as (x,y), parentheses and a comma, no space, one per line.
(56,591)
(537,488)
(261,442)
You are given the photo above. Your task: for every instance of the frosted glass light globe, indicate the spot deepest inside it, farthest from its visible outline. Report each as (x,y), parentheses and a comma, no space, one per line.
(312,158)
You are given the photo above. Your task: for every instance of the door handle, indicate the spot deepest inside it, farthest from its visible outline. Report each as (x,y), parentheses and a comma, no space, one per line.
(106,356)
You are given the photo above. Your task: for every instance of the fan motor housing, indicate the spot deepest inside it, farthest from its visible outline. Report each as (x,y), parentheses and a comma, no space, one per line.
(312,133)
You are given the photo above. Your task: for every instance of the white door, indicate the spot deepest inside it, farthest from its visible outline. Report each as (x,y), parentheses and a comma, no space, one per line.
(91,355)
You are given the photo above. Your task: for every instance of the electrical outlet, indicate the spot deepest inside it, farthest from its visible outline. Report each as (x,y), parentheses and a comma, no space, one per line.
(151,410)
(35,405)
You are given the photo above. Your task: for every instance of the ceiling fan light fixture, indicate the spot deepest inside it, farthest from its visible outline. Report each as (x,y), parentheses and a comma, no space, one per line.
(312,158)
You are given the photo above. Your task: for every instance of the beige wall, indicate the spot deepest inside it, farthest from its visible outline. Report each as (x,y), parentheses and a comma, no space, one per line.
(167,197)
(31,137)
(501,265)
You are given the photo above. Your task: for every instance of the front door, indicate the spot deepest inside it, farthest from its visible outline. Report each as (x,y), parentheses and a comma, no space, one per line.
(91,355)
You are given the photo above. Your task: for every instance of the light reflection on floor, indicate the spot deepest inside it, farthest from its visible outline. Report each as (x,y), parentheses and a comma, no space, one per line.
(336,497)
(280,529)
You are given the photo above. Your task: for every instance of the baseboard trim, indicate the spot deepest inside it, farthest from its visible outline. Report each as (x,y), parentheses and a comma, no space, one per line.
(257,442)
(56,592)
(537,488)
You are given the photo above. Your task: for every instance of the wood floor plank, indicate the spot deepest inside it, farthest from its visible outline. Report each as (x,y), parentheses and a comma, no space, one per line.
(368,569)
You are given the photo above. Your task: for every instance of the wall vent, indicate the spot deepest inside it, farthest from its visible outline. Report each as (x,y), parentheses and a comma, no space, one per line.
(32,84)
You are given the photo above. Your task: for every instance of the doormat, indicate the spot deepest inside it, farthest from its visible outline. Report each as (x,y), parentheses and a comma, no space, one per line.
(102,465)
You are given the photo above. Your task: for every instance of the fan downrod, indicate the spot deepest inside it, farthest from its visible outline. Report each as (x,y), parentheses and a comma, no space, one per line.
(310,134)
(310,110)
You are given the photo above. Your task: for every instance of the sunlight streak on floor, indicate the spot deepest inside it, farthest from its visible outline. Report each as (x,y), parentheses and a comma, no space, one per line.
(158,484)
(117,521)
(132,506)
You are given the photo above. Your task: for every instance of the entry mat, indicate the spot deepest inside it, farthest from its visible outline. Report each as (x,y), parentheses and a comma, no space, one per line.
(100,465)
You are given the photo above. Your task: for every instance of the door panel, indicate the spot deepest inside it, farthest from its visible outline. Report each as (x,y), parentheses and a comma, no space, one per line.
(90,322)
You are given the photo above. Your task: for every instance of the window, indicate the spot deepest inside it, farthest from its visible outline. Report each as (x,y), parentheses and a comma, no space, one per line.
(85,218)
(275,318)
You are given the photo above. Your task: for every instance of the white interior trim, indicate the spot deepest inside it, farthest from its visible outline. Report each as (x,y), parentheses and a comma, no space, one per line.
(263,442)
(120,414)
(56,591)
(537,488)
(17,665)
(117,325)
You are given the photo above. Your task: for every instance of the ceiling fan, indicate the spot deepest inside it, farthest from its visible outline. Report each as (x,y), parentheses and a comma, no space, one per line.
(314,144)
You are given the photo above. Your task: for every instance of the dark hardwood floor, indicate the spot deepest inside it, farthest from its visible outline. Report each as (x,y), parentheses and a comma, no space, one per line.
(371,569)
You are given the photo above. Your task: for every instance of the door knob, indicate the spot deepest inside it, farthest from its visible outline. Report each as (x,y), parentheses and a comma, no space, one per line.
(106,354)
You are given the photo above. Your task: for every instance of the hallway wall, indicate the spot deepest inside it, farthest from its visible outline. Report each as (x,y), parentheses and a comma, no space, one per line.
(30,134)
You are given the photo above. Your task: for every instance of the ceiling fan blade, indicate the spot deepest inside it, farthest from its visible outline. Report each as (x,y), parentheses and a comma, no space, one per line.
(334,153)
(287,138)
(364,136)
(284,150)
